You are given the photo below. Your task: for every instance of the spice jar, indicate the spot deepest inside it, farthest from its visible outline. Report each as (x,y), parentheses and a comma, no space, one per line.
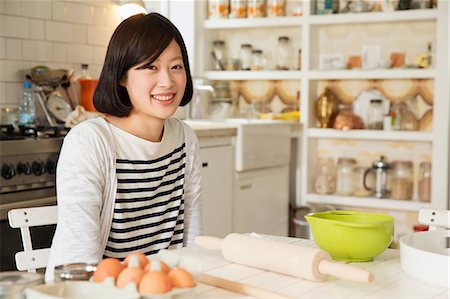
(376,115)
(276,8)
(425,181)
(402,180)
(325,181)
(284,51)
(256,8)
(218,9)
(219,55)
(238,9)
(345,176)
(245,54)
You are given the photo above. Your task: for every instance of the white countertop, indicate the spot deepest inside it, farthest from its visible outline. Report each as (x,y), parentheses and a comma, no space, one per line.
(390,281)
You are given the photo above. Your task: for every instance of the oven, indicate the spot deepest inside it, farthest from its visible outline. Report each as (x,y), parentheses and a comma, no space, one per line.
(28,160)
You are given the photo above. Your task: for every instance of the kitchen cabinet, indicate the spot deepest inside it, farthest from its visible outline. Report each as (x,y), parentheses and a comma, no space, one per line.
(328,34)
(261,201)
(217,158)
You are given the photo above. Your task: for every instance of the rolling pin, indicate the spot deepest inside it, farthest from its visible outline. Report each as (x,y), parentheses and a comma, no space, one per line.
(295,260)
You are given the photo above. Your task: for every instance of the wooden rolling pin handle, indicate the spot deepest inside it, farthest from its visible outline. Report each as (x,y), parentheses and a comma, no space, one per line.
(345,271)
(208,242)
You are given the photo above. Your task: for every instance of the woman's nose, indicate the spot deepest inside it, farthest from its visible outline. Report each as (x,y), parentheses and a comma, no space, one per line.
(164,78)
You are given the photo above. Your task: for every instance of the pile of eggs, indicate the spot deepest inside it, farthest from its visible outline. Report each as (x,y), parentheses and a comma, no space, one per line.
(148,276)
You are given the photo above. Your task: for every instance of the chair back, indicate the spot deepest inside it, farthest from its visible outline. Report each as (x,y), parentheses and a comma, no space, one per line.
(31,259)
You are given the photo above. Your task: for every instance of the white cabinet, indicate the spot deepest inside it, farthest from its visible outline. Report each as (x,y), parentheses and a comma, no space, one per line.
(217,185)
(261,201)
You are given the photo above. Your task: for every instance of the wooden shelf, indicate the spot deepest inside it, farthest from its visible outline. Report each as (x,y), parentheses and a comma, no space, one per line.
(253,23)
(253,75)
(374,17)
(367,202)
(372,74)
(413,136)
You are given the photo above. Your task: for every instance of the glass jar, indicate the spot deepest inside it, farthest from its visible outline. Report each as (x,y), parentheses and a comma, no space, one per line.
(245,54)
(257,60)
(375,117)
(276,8)
(358,187)
(256,8)
(325,180)
(425,181)
(284,51)
(402,180)
(345,176)
(218,9)
(238,9)
(219,55)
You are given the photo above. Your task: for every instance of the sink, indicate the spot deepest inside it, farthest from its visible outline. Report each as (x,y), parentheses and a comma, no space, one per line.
(259,143)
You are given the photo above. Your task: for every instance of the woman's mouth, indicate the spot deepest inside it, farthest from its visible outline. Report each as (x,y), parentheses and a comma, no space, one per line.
(164,99)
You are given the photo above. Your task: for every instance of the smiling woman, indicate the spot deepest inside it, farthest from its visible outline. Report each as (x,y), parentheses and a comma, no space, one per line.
(135,184)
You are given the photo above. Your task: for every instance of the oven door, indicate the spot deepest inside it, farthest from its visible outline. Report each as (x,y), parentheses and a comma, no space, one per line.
(11,241)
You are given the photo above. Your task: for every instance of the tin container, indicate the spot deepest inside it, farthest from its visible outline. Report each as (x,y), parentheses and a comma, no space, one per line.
(218,9)
(256,8)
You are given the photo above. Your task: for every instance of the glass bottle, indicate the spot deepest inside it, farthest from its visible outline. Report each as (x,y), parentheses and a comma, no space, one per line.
(325,180)
(27,107)
(284,51)
(219,55)
(345,176)
(402,180)
(425,181)
(245,54)
(376,115)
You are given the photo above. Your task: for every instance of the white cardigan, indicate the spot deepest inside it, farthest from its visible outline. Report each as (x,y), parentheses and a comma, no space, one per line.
(86,190)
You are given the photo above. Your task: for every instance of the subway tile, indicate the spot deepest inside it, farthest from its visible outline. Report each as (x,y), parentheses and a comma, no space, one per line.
(10,70)
(13,7)
(95,70)
(13,92)
(2,92)
(2,6)
(14,27)
(14,49)
(79,34)
(72,12)
(99,55)
(59,31)
(80,53)
(59,52)
(2,47)
(98,36)
(37,50)
(37,9)
(37,29)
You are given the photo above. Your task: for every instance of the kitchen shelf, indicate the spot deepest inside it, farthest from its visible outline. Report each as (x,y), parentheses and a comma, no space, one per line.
(367,202)
(374,17)
(372,74)
(371,135)
(253,75)
(253,23)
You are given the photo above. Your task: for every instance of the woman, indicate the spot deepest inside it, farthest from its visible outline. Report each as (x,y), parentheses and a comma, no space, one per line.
(130,182)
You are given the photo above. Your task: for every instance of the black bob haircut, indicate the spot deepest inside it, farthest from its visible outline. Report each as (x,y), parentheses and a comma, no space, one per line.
(138,39)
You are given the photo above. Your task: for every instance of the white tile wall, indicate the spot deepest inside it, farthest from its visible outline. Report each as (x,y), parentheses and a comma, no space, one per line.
(56,33)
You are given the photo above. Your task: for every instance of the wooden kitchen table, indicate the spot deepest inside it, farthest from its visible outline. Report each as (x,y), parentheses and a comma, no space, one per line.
(390,281)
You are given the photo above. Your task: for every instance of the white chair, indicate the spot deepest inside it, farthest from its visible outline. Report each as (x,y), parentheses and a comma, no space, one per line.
(31,259)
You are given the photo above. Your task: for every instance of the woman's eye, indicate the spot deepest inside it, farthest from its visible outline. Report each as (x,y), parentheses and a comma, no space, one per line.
(151,67)
(177,67)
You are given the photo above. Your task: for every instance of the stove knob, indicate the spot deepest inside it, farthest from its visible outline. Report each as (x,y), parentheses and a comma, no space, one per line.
(38,168)
(51,166)
(24,168)
(8,171)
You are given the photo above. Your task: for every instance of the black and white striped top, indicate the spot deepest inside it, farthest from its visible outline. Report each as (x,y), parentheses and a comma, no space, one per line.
(149,207)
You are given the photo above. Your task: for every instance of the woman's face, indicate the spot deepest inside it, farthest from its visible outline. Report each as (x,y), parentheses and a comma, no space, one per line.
(156,91)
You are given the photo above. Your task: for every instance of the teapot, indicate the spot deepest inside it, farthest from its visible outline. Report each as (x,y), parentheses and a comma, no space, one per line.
(381,169)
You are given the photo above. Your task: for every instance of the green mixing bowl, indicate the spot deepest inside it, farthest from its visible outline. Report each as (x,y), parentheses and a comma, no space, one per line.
(351,236)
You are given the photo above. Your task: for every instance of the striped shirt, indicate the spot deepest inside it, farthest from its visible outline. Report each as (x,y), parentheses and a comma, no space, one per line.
(149,206)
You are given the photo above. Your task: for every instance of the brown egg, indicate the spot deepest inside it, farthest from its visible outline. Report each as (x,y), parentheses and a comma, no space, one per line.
(180,278)
(155,283)
(129,275)
(164,267)
(143,261)
(109,267)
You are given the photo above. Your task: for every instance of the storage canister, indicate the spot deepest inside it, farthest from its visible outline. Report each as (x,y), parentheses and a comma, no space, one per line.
(245,55)
(218,9)
(219,55)
(257,60)
(276,8)
(284,53)
(325,181)
(425,181)
(238,9)
(345,179)
(375,117)
(256,8)
(402,180)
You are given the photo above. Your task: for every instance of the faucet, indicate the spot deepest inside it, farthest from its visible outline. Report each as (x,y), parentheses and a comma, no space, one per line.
(198,109)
